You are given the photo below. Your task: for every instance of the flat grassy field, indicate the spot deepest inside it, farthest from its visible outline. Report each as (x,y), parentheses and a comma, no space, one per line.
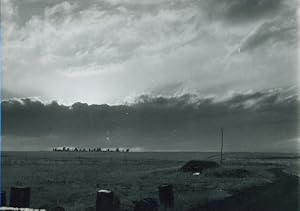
(71,179)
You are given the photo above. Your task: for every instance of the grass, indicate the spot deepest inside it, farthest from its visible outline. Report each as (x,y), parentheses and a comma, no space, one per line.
(72,179)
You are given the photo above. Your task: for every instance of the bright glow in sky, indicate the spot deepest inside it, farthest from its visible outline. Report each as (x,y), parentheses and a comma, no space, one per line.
(110,51)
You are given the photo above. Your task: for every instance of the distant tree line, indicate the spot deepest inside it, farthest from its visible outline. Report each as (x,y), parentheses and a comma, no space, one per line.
(72,149)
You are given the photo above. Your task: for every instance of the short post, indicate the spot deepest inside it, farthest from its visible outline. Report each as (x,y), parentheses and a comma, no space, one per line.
(147,204)
(107,201)
(221,153)
(3,199)
(166,195)
(20,197)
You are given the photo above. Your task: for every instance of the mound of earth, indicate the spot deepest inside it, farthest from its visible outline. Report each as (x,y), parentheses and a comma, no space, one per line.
(198,165)
(281,195)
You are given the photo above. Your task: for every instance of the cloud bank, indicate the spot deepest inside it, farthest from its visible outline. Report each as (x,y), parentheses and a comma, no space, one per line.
(253,121)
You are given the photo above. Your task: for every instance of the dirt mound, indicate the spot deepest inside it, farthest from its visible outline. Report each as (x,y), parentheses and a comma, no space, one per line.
(281,195)
(198,165)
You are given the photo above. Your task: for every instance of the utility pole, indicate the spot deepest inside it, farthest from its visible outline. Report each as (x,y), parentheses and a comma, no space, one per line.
(221,157)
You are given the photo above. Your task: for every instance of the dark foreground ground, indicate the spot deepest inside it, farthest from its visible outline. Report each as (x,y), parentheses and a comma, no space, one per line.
(281,195)
(71,180)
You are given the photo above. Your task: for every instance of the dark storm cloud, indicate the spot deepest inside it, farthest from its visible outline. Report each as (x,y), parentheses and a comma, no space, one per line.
(262,118)
(250,10)
(231,10)
(241,11)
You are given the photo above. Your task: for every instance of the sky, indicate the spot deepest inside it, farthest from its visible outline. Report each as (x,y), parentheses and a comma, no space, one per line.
(178,70)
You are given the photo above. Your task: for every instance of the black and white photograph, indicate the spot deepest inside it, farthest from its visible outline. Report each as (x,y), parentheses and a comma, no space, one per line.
(150,105)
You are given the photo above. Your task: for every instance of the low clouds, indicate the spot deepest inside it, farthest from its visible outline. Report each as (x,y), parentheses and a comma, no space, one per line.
(252,121)
(104,51)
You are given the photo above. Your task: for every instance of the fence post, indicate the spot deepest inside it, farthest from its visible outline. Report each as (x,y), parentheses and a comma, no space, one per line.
(3,199)
(20,197)
(166,195)
(107,201)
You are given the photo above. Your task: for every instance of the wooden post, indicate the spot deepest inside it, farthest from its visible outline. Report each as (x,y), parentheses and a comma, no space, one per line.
(3,199)
(107,201)
(221,156)
(20,197)
(166,195)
